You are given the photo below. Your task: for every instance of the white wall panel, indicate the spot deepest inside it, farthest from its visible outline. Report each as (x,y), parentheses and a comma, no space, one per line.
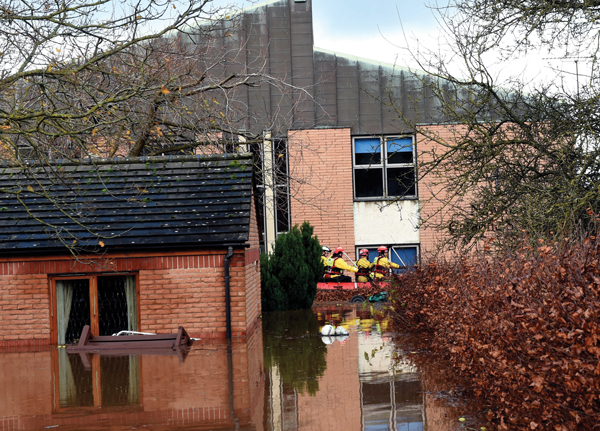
(376,223)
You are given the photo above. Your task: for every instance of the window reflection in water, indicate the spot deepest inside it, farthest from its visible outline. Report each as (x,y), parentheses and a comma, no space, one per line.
(87,380)
(363,384)
(391,390)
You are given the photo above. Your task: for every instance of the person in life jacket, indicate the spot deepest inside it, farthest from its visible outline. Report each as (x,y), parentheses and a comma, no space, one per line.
(364,267)
(324,260)
(381,263)
(337,266)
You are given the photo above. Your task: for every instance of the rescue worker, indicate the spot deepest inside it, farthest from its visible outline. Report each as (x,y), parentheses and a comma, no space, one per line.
(364,267)
(325,261)
(381,263)
(325,256)
(337,266)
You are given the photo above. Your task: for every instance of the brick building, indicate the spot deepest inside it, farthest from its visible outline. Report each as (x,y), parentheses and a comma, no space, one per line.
(127,243)
(334,154)
(343,158)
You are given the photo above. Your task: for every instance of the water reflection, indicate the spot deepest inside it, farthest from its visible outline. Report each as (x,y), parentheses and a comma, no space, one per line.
(364,387)
(86,380)
(293,350)
(283,377)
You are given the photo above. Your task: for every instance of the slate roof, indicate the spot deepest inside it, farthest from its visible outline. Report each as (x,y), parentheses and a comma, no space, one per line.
(126,204)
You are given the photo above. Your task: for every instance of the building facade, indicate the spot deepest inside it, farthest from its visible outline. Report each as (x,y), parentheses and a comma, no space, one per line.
(344,157)
(138,244)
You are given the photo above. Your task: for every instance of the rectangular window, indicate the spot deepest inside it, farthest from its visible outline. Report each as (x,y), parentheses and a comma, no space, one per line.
(282,188)
(271,175)
(384,167)
(107,303)
(405,256)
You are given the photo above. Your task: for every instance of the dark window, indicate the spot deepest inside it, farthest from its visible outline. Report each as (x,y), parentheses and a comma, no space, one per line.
(282,210)
(368,182)
(399,150)
(109,308)
(112,305)
(279,207)
(79,308)
(384,167)
(404,255)
(281,180)
(401,181)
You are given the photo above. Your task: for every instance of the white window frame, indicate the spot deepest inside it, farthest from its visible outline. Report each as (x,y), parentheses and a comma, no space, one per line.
(384,165)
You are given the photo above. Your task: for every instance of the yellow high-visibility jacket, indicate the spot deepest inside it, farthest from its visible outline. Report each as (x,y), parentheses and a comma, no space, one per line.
(338,266)
(326,264)
(382,266)
(364,270)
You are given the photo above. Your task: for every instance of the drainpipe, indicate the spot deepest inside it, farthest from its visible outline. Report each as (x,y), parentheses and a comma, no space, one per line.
(227,293)
(229,347)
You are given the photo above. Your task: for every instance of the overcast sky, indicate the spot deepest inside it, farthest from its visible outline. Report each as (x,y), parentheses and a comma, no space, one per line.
(367,28)
(381,30)
(372,29)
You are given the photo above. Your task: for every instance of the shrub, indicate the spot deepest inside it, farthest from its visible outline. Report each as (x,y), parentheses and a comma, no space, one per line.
(290,273)
(523,328)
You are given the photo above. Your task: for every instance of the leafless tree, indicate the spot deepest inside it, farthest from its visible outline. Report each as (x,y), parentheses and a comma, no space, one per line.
(522,155)
(104,78)
(86,78)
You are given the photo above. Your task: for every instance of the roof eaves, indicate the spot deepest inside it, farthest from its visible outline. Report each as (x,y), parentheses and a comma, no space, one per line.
(125,160)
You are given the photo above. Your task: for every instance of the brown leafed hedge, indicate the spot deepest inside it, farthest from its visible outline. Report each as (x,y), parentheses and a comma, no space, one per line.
(522,328)
(345,295)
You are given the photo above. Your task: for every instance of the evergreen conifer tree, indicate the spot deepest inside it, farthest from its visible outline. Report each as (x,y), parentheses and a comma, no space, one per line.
(290,273)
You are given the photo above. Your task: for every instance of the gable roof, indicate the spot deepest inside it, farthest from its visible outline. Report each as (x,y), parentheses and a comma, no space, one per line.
(126,204)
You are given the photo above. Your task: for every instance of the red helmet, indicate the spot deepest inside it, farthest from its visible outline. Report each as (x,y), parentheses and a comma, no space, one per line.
(338,250)
(364,252)
(382,249)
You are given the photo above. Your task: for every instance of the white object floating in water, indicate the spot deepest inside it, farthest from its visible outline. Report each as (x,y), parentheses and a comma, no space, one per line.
(328,330)
(327,339)
(342,338)
(340,330)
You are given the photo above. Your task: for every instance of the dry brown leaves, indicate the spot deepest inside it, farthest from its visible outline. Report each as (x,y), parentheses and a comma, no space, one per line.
(523,329)
(345,295)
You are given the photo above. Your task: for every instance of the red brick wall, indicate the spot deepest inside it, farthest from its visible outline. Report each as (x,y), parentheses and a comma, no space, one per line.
(185,289)
(24,309)
(252,274)
(432,193)
(320,163)
(192,297)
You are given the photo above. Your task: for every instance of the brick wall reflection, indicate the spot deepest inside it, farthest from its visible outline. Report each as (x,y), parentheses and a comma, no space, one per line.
(337,405)
(171,393)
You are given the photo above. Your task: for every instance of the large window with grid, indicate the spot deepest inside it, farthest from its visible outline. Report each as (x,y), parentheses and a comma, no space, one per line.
(406,256)
(384,167)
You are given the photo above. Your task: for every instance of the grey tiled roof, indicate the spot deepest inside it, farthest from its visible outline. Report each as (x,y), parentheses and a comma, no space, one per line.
(126,204)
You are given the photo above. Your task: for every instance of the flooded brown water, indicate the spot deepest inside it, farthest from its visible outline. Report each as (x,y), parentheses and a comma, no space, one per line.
(285,376)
